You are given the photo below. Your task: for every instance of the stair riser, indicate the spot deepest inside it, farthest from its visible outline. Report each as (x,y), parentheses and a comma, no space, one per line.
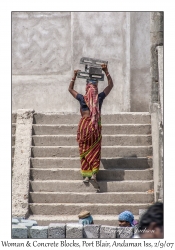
(122,118)
(91,198)
(106,152)
(13,140)
(13,152)
(56,186)
(72,209)
(106,129)
(14,115)
(110,175)
(129,163)
(13,129)
(106,140)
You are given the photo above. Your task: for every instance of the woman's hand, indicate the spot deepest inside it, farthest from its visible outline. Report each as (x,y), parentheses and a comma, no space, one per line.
(104,68)
(75,73)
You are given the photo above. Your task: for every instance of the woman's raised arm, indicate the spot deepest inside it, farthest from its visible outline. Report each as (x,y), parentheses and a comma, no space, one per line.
(110,82)
(71,85)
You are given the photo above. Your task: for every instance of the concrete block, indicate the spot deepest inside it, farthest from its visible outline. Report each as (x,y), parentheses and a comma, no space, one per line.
(38,232)
(15,221)
(91,231)
(125,232)
(108,232)
(19,218)
(74,231)
(57,231)
(19,232)
(136,229)
(33,222)
(26,224)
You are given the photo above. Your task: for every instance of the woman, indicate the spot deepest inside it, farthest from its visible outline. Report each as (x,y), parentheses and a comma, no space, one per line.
(126,219)
(89,128)
(85,218)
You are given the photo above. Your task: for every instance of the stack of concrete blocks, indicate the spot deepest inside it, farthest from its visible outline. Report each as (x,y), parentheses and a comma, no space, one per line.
(23,229)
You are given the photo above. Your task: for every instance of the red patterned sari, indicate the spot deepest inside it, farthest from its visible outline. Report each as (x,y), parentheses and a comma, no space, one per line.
(89,139)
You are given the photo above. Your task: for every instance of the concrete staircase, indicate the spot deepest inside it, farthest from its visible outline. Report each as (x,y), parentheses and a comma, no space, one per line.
(57,193)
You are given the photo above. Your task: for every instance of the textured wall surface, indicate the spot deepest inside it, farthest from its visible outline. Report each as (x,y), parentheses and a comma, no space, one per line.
(103,35)
(21,166)
(40,43)
(47,47)
(140,61)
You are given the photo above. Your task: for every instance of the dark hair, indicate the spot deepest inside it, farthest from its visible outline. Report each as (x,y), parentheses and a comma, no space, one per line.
(153,214)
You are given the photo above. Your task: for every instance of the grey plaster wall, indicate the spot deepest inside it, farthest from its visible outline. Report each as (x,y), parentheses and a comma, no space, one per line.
(140,61)
(47,47)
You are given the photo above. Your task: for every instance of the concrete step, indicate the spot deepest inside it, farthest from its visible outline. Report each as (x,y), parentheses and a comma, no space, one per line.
(120,118)
(124,163)
(13,151)
(107,140)
(74,174)
(13,128)
(13,140)
(73,208)
(110,197)
(105,186)
(107,151)
(14,115)
(45,220)
(107,129)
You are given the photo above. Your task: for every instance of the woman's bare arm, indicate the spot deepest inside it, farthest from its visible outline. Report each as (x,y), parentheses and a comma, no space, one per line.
(71,85)
(110,82)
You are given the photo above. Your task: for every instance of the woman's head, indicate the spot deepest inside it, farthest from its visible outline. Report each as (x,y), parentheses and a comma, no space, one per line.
(85,218)
(91,100)
(92,81)
(126,219)
(151,222)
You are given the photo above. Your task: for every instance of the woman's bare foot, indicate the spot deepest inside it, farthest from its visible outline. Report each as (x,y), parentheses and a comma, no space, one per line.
(86,179)
(94,177)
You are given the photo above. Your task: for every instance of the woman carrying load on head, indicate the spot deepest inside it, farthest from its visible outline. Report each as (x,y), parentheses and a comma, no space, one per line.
(89,128)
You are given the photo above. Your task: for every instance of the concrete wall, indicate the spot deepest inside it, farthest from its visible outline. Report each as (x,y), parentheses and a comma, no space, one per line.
(47,46)
(140,61)
(156,107)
